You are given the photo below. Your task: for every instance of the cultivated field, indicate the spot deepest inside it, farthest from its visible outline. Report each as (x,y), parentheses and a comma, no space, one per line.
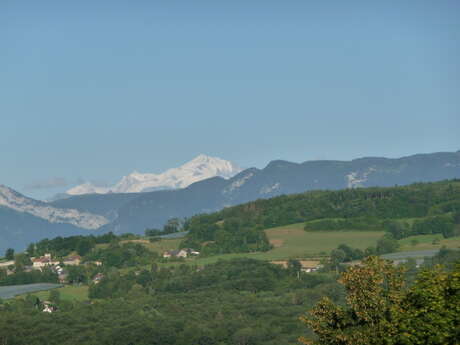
(294,241)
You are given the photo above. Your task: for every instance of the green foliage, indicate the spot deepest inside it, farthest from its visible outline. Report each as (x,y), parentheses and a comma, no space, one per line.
(21,261)
(434,225)
(35,276)
(63,246)
(380,310)
(54,296)
(9,254)
(399,229)
(387,244)
(232,236)
(123,255)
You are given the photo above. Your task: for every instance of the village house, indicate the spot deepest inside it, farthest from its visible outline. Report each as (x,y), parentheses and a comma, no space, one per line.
(48,307)
(5,264)
(73,260)
(307,266)
(180,253)
(97,278)
(43,261)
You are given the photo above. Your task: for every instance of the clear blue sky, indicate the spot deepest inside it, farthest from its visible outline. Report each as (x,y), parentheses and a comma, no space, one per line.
(95,89)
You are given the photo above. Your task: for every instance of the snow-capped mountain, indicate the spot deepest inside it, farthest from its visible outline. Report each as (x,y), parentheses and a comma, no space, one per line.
(198,169)
(11,199)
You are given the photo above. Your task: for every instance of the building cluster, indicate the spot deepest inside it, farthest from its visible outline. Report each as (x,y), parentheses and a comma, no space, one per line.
(47,260)
(57,266)
(306,266)
(180,253)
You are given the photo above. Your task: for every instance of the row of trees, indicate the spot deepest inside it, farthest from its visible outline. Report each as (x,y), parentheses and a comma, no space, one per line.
(441,224)
(232,235)
(345,253)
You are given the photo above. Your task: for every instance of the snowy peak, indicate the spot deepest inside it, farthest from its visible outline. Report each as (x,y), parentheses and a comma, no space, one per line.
(86,188)
(11,199)
(200,168)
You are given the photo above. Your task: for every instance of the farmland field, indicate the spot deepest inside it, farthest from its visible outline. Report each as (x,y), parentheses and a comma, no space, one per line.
(292,241)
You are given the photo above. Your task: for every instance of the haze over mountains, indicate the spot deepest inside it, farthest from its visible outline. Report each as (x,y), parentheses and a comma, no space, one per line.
(23,220)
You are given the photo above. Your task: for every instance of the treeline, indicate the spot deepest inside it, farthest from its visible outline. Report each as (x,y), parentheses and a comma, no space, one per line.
(122,255)
(232,235)
(345,253)
(22,277)
(63,246)
(444,224)
(441,224)
(236,275)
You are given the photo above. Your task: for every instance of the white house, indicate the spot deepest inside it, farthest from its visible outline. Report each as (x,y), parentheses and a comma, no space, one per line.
(180,253)
(73,260)
(7,263)
(46,260)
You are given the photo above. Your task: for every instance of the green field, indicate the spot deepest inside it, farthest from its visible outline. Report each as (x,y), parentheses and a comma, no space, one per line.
(426,242)
(67,293)
(292,241)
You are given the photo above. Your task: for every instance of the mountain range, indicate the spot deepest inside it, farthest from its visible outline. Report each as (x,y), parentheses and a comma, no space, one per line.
(22,219)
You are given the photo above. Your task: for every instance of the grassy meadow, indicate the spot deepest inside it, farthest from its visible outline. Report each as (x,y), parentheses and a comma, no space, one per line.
(67,293)
(290,241)
(428,242)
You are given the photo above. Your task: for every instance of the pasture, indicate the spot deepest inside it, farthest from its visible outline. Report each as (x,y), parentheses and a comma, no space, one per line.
(293,241)
(67,293)
(428,242)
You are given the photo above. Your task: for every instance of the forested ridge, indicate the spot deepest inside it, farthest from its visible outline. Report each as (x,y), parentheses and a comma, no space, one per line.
(239,228)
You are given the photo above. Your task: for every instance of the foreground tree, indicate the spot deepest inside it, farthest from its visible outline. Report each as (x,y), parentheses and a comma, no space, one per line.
(381,311)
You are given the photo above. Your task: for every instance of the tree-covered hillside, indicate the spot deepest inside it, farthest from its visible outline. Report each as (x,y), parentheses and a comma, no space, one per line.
(428,206)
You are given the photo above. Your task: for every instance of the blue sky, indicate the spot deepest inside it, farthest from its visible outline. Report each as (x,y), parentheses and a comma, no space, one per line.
(91,90)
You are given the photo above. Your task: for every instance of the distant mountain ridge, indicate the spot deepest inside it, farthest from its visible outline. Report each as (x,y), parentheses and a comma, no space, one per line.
(11,199)
(153,209)
(134,212)
(198,169)
(24,220)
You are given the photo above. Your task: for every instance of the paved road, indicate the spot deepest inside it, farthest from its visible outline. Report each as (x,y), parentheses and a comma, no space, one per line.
(13,290)
(414,254)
